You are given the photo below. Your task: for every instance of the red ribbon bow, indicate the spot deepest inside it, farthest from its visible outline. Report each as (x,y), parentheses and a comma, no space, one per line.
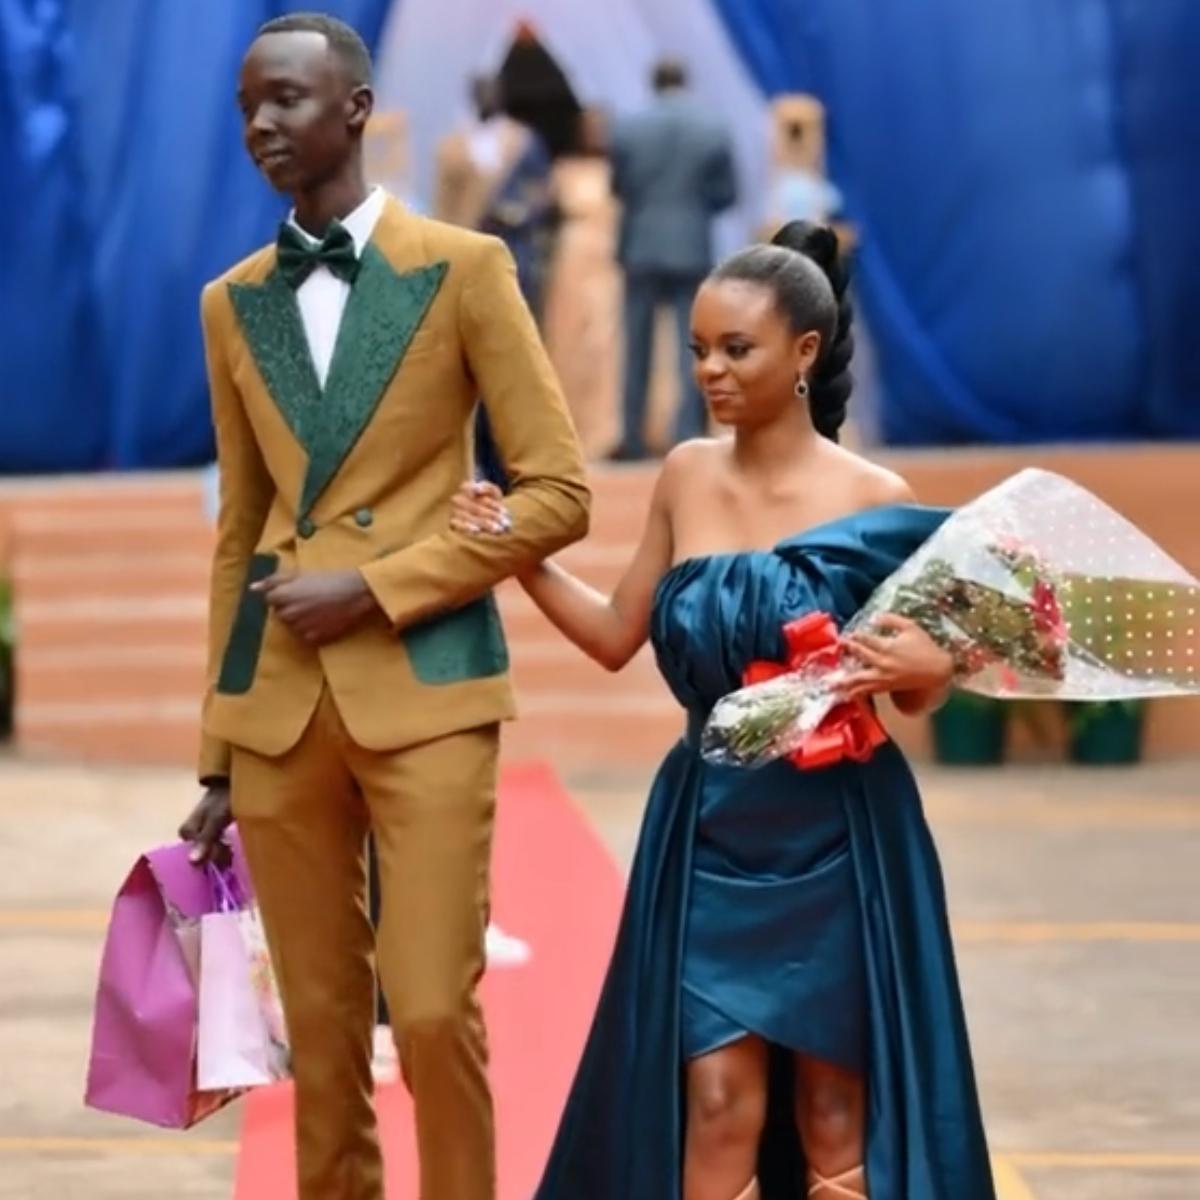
(850,730)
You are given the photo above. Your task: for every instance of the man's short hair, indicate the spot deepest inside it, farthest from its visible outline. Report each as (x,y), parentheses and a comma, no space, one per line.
(345,42)
(669,75)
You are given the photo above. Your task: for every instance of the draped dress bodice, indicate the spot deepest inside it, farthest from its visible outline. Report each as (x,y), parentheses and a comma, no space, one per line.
(773,941)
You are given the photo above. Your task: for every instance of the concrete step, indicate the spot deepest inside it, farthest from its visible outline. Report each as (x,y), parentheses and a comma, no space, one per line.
(111,579)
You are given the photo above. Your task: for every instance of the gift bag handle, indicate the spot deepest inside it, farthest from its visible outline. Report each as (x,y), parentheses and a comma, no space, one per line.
(226,889)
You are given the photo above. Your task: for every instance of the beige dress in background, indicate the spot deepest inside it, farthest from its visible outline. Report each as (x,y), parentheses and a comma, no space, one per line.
(582,322)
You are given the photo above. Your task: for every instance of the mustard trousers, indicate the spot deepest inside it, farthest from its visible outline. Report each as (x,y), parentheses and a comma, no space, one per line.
(303,820)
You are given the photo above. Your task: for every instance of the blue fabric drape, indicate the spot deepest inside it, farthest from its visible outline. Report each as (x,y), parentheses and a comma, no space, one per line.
(1023,173)
(53,395)
(122,119)
(1020,173)
(1159,52)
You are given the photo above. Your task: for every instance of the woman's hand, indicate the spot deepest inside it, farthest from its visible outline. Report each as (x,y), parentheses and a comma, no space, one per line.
(478,508)
(896,656)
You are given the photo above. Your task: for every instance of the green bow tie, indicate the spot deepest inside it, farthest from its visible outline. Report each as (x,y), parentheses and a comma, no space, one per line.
(297,257)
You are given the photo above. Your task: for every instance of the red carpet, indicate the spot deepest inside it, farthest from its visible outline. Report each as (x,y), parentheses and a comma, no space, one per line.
(555,888)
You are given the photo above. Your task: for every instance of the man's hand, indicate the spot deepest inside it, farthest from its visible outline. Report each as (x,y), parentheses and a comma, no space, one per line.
(204,827)
(318,606)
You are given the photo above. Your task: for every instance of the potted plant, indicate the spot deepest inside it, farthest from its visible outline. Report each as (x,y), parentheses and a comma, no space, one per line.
(970,730)
(1105,732)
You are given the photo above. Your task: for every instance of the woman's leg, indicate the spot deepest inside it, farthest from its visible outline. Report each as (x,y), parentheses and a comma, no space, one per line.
(726,1110)
(831,1106)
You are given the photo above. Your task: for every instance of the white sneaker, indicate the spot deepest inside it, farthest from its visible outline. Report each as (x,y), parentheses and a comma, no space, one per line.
(504,950)
(385,1065)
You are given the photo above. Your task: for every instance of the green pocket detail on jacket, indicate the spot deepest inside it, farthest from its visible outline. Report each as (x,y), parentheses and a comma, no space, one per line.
(240,661)
(454,647)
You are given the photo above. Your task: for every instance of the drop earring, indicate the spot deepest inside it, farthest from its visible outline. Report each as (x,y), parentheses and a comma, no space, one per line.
(801,388)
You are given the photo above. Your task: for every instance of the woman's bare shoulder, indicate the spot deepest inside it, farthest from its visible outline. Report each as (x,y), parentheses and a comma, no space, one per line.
(874,485)
(691,462)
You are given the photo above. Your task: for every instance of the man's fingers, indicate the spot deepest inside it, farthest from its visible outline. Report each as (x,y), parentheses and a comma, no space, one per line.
(212,828)
(204,838)
(210,850)
(305,626)
(271,582)
(277,595)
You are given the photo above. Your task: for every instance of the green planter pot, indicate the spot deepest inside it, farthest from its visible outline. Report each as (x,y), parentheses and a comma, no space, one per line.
(969,731)
(1106,734)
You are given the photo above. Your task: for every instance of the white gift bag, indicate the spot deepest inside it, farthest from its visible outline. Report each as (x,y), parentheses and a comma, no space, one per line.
(241,1040)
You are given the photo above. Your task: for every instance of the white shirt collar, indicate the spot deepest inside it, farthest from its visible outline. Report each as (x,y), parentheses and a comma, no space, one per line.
(360,223)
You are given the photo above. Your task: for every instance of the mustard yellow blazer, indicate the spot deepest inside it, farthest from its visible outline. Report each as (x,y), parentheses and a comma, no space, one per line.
(359,474)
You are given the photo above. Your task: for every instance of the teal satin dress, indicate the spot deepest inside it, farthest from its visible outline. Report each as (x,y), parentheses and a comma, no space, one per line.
(804,907)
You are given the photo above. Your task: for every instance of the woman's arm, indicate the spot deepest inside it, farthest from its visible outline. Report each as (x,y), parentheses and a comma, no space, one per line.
(914,703)
(897,656)
(609,629)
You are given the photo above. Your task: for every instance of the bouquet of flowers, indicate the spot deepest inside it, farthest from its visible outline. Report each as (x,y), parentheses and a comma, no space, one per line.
(1037,589)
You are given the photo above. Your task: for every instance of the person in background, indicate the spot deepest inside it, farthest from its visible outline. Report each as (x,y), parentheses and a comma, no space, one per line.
(799,189)
(673,172)
(494,176)
(582,325)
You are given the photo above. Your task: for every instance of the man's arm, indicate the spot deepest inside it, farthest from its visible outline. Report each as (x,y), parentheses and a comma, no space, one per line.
(548,497)
(246,492)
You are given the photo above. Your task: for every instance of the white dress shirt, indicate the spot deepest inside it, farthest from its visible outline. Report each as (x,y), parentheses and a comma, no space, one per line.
(322,296)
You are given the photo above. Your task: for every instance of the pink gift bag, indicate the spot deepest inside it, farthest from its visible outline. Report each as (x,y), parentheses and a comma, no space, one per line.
(241,1040)
(143,1055)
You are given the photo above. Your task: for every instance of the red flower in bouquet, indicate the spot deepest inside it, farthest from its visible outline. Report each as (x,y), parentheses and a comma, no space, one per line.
(1047,612)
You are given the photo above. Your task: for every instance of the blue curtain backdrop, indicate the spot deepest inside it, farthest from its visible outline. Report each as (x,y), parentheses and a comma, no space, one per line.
(126,189)
(1024,175)
(54,405)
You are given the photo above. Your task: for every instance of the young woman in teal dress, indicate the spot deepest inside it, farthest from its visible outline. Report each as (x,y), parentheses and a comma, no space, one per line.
(781,1017)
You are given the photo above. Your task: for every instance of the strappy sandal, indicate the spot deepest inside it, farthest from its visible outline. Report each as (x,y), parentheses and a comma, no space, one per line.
(847,1185)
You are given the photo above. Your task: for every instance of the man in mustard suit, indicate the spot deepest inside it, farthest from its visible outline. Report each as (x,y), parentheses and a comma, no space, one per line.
(357,666)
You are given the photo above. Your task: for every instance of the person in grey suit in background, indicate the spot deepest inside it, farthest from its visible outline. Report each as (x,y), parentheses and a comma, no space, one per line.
(673,172)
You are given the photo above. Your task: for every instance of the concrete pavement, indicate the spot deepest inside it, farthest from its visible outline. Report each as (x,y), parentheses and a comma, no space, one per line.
(1077,919)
